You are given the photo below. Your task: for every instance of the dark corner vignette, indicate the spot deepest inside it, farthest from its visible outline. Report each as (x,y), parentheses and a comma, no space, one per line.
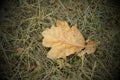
(115,4)
(4,67)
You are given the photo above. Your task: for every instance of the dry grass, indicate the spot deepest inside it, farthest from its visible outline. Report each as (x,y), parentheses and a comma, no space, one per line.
(23,57)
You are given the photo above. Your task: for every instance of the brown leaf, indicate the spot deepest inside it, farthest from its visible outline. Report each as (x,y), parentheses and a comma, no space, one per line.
(89,48)
(20,50)
(63,40)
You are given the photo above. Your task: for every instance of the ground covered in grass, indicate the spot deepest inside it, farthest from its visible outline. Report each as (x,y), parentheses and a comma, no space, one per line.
(23,57)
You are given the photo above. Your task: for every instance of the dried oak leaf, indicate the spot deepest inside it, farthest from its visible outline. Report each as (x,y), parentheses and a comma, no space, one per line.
(64,40)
